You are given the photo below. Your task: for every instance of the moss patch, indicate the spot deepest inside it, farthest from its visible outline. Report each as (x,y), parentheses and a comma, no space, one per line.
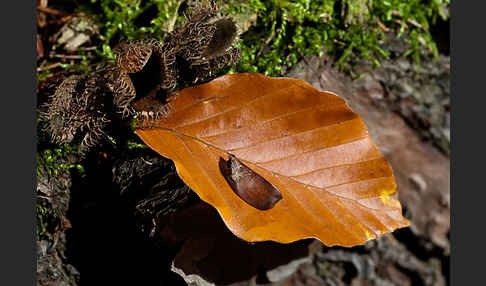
(281,32)
(350,30)
(284,31)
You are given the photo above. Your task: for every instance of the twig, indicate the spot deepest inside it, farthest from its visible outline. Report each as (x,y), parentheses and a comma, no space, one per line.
(382,26)
(51,11)
(173,20)
(267,41)
(422,41)
(410,21)
(44,68)
(416,24)
(69,57)
(64,19)
(88,48)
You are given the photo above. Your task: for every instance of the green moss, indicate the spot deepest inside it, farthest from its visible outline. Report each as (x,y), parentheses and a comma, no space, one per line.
(52,161)
(135,145)
(284,31)
(126,19)
(287,30)
(51,158)
(41,221)
(42,76)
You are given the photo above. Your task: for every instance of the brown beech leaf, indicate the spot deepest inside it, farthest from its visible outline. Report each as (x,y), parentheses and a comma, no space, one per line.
(334,183)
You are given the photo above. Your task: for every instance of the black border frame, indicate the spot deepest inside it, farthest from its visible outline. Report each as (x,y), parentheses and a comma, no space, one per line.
(467,58)
(19,143)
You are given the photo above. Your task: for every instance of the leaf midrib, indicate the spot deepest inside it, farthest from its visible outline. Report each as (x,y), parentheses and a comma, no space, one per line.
(262,168)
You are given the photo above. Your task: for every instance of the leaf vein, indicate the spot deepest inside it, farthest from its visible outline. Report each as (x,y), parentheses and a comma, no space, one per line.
(272,119)
(224,112)
(336,166)
(295,134)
